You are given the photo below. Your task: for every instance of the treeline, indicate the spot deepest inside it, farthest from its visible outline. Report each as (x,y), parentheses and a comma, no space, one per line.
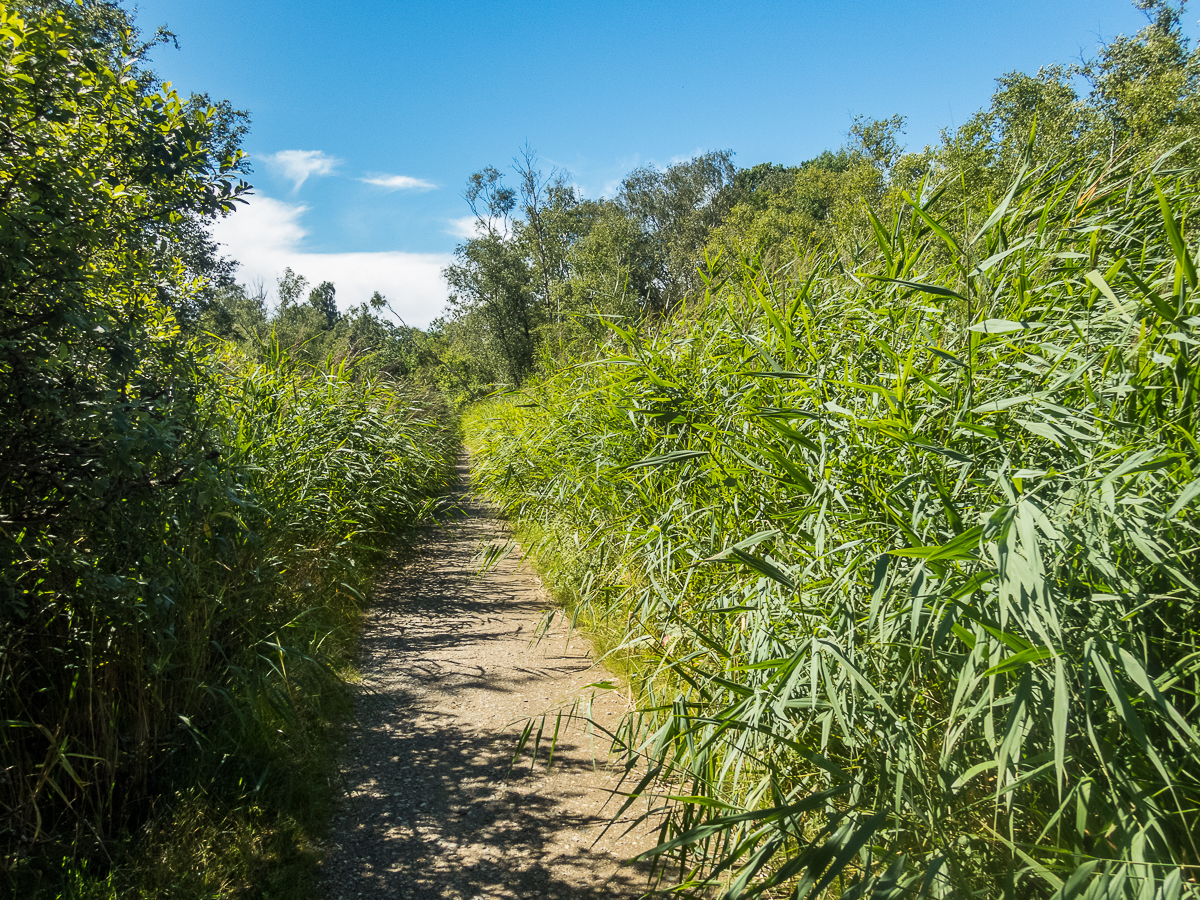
(892,517)
(547,265)
(307,325)
(186,528)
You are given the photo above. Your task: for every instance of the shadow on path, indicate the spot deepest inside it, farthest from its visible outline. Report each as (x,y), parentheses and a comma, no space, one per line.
(450,677)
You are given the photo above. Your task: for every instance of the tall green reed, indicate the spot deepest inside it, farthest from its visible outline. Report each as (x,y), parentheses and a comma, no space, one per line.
(204,685)
(906,554)
(333,465)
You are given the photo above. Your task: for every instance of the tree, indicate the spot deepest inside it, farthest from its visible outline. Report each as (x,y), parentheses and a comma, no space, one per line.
(184,238)
(549,226)
(234,313)
(102,443)
(611,272)
(489,199)
(878,140)
(302,327)
(1143,99)
(776,210)
(321,298)
(503,281)
(1146,88)
(288,288)
(546,264)
(676,209)
(187,239)
(491,293)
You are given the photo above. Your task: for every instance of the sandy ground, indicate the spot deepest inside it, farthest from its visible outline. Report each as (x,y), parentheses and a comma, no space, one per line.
(451,675)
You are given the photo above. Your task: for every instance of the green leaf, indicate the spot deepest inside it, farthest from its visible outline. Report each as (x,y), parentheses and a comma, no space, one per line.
(965,778)
(1020,660)
(964,546)
(998,214)
(1138,675)
(1098,280)
(765,567)
(716,826)
(1062,699)
(999,326)
(1007,638)
(752,541)
(996,258)
(1006,403)
(934,289)
(1186,496)
(934,224)
(1074,885)
(1178,247)
(947,356)
(666,459)
(963,635)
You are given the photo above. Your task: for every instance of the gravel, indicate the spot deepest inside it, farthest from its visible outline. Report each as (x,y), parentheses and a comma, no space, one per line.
(451,674)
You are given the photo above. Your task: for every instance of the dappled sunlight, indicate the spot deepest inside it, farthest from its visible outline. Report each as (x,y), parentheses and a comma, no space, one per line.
(436,804)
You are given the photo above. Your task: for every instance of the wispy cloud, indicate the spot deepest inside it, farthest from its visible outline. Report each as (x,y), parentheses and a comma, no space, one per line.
(466,227)
(300,165)
(398,183)
(472,226)
(267,235)
(687,157)
(611,188)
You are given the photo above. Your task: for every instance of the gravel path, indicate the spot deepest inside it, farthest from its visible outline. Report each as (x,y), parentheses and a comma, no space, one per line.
(451,674)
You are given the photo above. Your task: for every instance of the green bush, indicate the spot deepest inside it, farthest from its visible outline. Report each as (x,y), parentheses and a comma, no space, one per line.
(234,670)
(105,460)
(183,540)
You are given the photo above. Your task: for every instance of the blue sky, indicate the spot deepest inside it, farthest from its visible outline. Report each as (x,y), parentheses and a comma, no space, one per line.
(367,118)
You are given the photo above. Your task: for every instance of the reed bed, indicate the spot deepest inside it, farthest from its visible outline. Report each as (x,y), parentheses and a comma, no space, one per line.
(901,555)
(172,715)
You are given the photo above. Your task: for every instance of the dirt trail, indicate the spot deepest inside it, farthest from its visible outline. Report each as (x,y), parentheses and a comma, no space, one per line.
(448,668)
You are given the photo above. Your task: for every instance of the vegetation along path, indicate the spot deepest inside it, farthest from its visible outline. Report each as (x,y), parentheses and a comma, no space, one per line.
(451,672)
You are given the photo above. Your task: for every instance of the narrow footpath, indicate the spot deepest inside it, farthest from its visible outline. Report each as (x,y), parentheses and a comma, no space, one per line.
(451,673)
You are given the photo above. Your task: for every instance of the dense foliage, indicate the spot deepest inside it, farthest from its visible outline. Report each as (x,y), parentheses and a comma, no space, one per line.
(879,473)
(369,337)
(101,437)
(897,531)
(183,540)
(547,264)
(909,551)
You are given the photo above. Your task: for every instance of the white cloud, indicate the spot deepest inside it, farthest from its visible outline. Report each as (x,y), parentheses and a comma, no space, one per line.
(300,165)
(261,226)
(471,227)
(466,227)
(398,182)
(266,235)
(687,157)
(612,187)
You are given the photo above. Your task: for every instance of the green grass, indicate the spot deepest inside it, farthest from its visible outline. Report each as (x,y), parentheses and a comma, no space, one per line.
(903,553)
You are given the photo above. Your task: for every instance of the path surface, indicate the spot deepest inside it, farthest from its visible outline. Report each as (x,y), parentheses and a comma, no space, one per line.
(451,674)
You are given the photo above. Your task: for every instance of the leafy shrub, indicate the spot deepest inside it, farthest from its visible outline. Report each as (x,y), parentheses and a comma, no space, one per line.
(183,541)
(104,456)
